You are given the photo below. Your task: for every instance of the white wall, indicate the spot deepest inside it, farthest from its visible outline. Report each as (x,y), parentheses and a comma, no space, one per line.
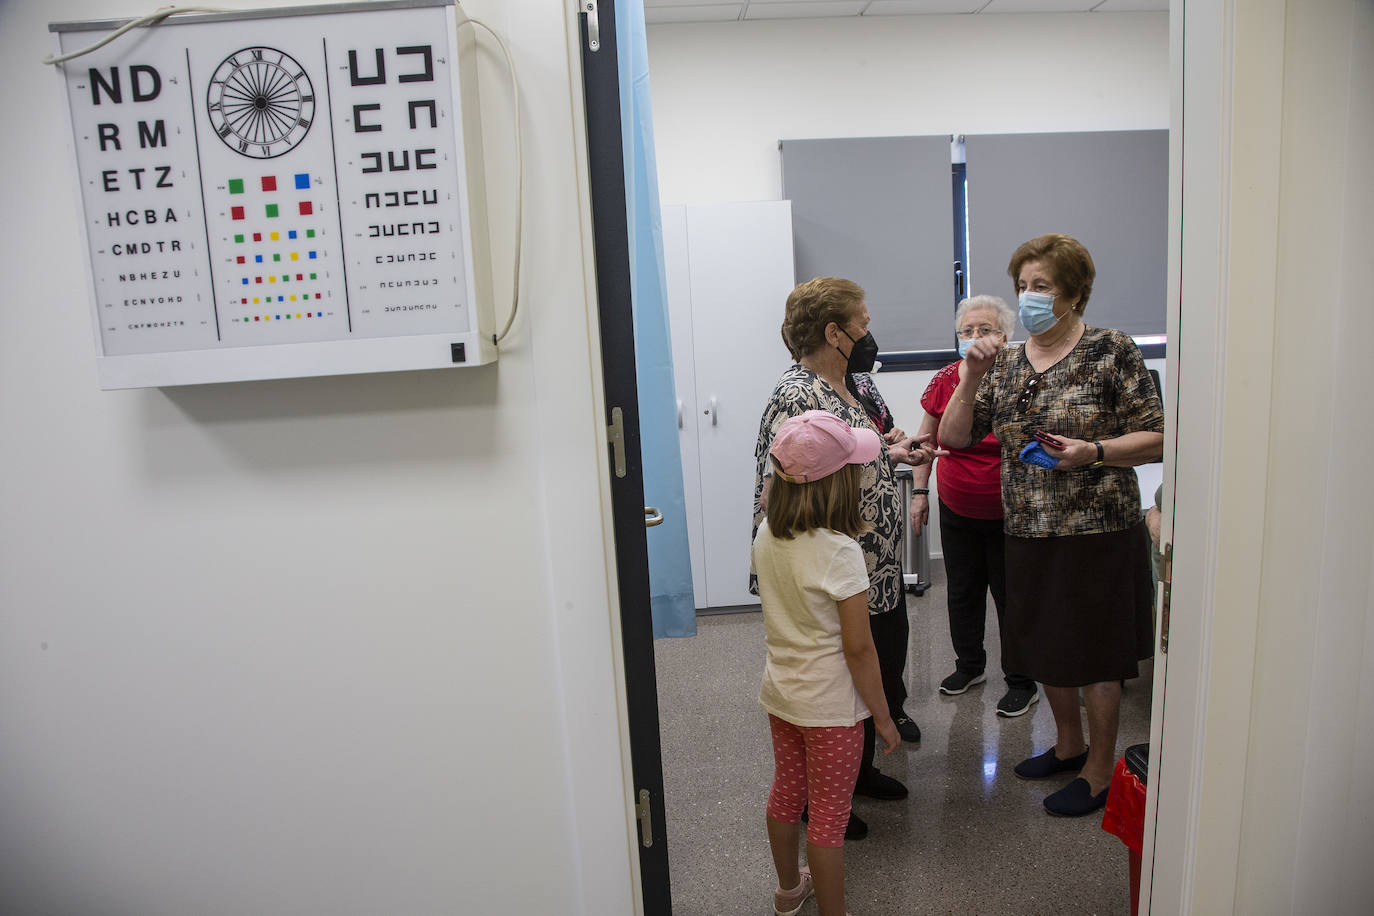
(725,93)
(308,646)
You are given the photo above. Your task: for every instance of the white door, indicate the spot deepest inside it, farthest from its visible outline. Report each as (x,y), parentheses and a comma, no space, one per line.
(741,272)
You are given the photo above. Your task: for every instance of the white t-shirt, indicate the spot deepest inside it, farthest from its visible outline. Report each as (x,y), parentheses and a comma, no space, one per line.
(806,680)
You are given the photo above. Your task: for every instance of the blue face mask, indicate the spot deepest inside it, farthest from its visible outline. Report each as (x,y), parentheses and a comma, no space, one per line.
(1036,311)
(964,345)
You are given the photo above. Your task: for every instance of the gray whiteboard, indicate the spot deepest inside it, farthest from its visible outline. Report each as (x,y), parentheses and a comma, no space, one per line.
(878,211)
(1109,190)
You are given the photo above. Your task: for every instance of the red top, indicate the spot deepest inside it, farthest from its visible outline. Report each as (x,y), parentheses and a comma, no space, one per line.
(970,479)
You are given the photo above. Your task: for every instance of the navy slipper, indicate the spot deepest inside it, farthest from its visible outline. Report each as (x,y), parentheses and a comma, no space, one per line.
(1046,765)
(1075,800)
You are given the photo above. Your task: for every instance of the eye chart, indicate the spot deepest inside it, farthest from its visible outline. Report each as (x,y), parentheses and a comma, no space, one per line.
(280,193)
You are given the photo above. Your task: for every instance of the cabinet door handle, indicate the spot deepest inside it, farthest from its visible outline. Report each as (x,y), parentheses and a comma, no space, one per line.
(710,410)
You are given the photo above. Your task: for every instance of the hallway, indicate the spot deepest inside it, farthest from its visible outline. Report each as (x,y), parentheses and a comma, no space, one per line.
(970,838)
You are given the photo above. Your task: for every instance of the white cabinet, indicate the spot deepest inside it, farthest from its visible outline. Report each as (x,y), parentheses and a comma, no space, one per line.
(728,271)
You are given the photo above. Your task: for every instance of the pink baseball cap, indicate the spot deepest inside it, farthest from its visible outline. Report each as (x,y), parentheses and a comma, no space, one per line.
(816,444)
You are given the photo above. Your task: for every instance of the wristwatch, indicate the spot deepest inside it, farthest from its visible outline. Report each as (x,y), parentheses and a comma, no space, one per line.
(1100,454)
(920,491)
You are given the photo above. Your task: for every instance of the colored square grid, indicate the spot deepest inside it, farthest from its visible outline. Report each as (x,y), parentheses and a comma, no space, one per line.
(302,180)
(269,182)
(235,185)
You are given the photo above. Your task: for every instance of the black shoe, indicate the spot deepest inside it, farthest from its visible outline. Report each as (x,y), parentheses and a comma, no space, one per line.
(1075,800)
(906,727)
(960,681)
(883,788)
(856,829)
(1017,701)
(1043,766)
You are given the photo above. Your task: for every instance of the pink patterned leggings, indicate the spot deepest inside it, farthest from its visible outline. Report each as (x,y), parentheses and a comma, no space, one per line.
(819,765)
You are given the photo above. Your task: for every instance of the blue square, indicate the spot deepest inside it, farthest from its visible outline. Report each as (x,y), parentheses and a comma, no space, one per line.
(291,234)
(302,180)
(258,259)
(278,317)
(281,299)
(245,281)
(312,255)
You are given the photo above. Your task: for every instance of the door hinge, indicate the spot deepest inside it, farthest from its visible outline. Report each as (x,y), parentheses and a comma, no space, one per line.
(644,815)
(588,8)
(1166,575)
(615,434)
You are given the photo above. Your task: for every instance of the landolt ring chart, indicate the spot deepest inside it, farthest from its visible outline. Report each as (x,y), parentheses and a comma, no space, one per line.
(281,192)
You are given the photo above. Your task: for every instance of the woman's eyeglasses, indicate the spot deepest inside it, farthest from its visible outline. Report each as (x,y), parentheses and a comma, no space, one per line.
(1028,393)
(981,331)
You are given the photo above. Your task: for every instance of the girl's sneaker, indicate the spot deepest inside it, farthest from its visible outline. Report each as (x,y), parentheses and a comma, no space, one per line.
(789,903)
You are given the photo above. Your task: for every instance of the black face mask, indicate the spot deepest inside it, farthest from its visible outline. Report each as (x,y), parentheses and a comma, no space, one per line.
(862,355)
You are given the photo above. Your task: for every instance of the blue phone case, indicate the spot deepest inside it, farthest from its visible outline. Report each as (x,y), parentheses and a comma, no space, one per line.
(1034,453)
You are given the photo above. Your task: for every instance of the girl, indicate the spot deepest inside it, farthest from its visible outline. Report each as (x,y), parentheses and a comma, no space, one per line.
(821,678)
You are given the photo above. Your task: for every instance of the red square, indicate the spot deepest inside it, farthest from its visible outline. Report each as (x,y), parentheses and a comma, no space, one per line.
(257,236)
(244,301)
(300,276)
(240,259)
(269,182)
(306,208)
(236,212)
(258,279)
(257,318)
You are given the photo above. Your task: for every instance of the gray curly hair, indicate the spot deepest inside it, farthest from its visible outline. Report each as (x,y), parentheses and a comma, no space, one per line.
(1006,318)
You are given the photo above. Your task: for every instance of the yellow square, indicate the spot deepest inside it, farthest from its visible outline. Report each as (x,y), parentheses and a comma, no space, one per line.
(295,256)
(293,298)
(255,300)
(298,314)
(275,236)
(266,317)
(272,279)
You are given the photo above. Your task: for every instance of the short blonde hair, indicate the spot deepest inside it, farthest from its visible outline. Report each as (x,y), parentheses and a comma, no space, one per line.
(831,502)
(812,306)
(1068,260)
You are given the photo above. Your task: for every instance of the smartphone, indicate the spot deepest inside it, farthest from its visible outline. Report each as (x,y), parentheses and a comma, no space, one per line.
(1045,438)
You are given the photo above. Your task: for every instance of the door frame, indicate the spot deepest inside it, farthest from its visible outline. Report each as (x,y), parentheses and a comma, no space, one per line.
(610,231)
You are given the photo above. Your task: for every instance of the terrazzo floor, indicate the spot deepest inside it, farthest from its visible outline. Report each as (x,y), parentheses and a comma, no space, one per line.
(971,838)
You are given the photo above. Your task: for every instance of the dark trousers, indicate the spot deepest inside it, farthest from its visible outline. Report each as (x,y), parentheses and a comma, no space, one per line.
(891,632)
(974,565)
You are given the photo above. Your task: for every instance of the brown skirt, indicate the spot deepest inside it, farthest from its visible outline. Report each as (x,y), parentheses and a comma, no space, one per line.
(1080,609)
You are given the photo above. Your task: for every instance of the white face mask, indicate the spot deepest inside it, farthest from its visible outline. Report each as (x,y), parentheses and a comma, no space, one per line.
(1036,311)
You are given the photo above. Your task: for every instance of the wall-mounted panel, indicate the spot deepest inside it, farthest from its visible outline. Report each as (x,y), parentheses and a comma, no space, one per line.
(280,193)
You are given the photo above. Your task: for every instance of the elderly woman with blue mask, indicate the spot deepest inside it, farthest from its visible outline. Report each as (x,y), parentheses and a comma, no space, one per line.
(970,494)
(1075,410)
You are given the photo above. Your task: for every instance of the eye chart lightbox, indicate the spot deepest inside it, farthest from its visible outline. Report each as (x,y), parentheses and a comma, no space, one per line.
(279,193)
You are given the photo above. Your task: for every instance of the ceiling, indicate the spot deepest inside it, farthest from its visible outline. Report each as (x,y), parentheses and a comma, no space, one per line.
(657,12)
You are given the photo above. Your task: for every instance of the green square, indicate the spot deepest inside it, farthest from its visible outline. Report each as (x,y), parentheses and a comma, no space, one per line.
(271,211)
(310,233)
(276,257)
(235,185)
(285,278)
(238,238)
(312,276)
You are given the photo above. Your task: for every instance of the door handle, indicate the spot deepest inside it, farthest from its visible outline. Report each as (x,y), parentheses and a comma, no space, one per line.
(710,410)
(652,517)
(679,413)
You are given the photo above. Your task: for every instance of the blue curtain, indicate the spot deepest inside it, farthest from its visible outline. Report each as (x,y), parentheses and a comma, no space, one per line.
(670,567)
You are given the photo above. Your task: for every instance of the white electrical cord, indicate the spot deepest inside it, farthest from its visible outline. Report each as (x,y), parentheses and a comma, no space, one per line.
(160,14)
(153,18)
(519,179)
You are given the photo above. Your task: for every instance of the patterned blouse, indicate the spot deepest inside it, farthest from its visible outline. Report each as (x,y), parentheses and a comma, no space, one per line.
(800,390)
(1100,390)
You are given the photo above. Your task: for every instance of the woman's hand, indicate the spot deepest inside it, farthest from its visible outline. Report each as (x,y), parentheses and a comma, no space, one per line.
(916,450)
(1076,453)
(887,730)
(981,353)
(894,435)
(920,511)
